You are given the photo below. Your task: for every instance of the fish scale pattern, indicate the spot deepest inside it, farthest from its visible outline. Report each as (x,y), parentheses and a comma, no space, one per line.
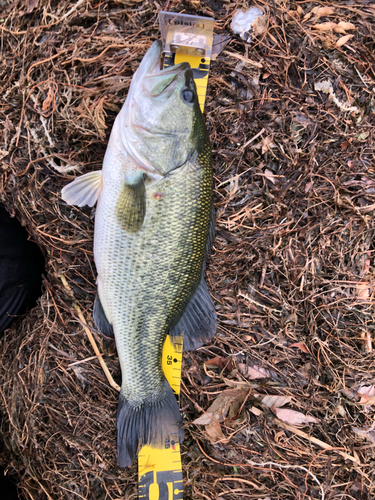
(151,275)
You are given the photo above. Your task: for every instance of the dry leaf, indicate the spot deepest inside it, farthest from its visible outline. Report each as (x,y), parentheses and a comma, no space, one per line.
(293,417)
(319,12)
(346,26)
(291,318)
(328,26)
(217,361)
(274,401)
(367,394)
(343,40)
(228,403)
(99,117)
(269,175)
(3,153)
(366,267)
(253,372)
(323,11)
(214,431)
(301,346)
(293,13)
(267,144)
(48,100)
(341,27)
(31,5)
(341,411)
(233,186)
(227,363)
(324,86)
(204,419)
(308,186)
(245,338)
(256,411)
(307,16)
(219,44)
(260,25)
(367,208)
(362,290)
(368,434)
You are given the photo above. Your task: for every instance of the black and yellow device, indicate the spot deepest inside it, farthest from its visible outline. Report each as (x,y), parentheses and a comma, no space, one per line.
(188,39)
(185,38)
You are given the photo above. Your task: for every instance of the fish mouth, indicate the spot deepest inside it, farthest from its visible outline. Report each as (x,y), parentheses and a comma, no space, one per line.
(155,84)
(163,82)
(156,81)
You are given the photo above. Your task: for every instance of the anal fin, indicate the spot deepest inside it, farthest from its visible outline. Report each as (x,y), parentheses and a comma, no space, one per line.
(101,320)
(199,321)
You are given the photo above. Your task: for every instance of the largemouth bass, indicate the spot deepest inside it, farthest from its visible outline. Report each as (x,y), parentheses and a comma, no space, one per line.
(153,229)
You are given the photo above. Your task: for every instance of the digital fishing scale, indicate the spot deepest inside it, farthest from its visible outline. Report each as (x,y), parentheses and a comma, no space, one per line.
(185,39)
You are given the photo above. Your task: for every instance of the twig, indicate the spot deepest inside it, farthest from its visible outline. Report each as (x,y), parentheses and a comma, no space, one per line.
(243,58)
(82,361)
(314,440)
(263,464)
(253,138)
(107,373)
(37,63)
(75,7)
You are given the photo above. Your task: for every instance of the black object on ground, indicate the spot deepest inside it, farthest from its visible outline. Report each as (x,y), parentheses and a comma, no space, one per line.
(8,488)
(21,268)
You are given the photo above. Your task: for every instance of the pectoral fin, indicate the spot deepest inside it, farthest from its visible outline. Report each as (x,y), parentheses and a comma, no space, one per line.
(84,190)
(199,322)
(131,206)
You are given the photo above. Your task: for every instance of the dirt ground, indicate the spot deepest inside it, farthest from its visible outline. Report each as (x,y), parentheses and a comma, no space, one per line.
(290,373)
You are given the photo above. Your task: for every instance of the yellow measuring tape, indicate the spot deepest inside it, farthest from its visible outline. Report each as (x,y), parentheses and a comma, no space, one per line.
(186,39)
(160,471)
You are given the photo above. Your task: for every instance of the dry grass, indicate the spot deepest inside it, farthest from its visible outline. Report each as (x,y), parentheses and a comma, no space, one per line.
(293,259)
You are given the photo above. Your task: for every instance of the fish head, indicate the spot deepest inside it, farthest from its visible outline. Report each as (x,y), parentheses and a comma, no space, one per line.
(162,118)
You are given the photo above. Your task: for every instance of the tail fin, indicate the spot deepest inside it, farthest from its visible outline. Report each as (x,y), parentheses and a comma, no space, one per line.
(149,423)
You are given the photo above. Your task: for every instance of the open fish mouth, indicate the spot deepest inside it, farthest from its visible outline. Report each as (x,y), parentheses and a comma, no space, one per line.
(164,81)
(156,81)
(149,83)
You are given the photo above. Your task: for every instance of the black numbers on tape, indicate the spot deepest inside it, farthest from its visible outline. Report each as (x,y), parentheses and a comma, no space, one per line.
(168,484)
(168,443)
(170,359)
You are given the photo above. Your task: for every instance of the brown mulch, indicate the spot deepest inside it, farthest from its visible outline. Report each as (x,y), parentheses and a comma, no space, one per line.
(292,269)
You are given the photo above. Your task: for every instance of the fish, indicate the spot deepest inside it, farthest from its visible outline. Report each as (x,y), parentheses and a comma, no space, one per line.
(154,226)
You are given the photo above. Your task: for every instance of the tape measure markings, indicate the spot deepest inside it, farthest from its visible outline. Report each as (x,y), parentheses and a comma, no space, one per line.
(160,470)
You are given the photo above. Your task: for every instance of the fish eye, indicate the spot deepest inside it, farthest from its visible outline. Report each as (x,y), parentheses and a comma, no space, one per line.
(188,95)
